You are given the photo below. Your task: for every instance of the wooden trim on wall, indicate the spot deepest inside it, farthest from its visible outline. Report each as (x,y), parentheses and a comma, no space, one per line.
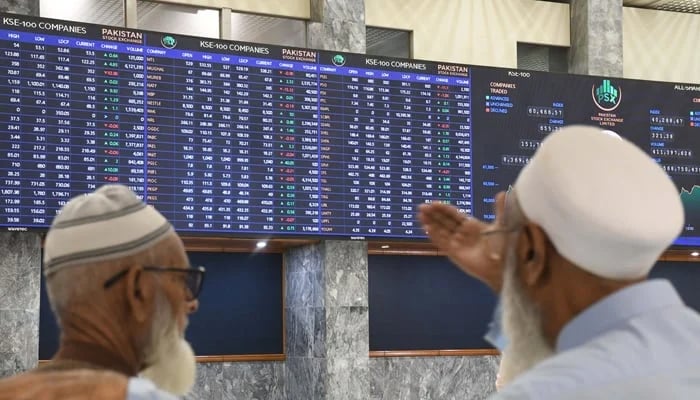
(679,255)
(242,358)
(427,249)
(225,358)
(239,245)
(434,353)
(372,354)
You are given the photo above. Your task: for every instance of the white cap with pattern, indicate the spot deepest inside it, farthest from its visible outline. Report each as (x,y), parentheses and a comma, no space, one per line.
(110,223)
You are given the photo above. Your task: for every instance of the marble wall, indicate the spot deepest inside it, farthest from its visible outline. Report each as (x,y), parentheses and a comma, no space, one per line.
(24,7)
(20,269)
(400,378)
(596,37)
(240,381)
(337,25)
(433,378)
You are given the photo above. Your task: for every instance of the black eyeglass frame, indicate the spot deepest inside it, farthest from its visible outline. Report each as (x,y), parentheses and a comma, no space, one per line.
(194,290)
(510,229)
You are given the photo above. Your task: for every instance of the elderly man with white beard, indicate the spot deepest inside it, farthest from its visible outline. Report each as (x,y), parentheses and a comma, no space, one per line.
(569,252)
(121,287)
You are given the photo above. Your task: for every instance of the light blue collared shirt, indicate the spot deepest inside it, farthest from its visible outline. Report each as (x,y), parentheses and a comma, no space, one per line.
(639,343)
(143,389)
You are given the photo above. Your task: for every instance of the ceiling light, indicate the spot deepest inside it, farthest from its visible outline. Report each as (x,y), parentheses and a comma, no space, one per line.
(695,254)
(261,244)
(385,246)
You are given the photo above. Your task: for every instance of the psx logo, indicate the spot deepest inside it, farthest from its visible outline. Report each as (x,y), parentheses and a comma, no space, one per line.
(606,96)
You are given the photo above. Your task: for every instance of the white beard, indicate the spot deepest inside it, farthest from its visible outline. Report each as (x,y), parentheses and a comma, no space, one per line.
(171,362)
(522,325)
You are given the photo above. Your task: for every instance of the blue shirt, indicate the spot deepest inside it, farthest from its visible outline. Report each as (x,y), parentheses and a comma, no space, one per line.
(143,389)
(639,343)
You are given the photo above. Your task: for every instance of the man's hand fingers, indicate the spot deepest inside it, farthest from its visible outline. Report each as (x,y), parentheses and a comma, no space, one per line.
(440,237)
(440,215)
(448,228)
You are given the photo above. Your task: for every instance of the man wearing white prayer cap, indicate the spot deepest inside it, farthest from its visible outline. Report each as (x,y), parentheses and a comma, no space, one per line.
(120,285)
(569,253)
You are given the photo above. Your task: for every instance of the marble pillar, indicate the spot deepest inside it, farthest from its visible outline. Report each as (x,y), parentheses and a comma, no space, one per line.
(24,7)
(304,322)
(596,37)
(337,25)
(327,302)
(20,269)
(327,322)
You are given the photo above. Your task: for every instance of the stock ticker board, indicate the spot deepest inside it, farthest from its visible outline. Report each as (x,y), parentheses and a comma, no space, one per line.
(254,140)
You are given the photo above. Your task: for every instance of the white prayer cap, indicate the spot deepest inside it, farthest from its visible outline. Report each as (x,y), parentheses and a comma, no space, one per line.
(107,224)
(611,133)
(605,205)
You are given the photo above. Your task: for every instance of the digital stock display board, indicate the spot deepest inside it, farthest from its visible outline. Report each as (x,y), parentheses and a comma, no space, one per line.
(255,140)
(514,110)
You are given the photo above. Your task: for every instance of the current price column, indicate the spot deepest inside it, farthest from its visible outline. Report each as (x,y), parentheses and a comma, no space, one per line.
(88,87)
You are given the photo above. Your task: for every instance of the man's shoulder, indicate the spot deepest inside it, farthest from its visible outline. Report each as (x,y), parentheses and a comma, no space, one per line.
(548,384)
(74,384)
(78,384)
(605,364)
(556,375)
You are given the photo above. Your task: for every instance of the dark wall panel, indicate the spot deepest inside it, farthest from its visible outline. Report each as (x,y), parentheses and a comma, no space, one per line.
(425,303)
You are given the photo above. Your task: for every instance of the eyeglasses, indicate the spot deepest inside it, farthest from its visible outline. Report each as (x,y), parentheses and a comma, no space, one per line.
(496,248)
(194,277)
(503,229)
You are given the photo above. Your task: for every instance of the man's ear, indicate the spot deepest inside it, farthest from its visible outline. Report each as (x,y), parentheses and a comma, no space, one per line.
(532,255)
(139,293)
